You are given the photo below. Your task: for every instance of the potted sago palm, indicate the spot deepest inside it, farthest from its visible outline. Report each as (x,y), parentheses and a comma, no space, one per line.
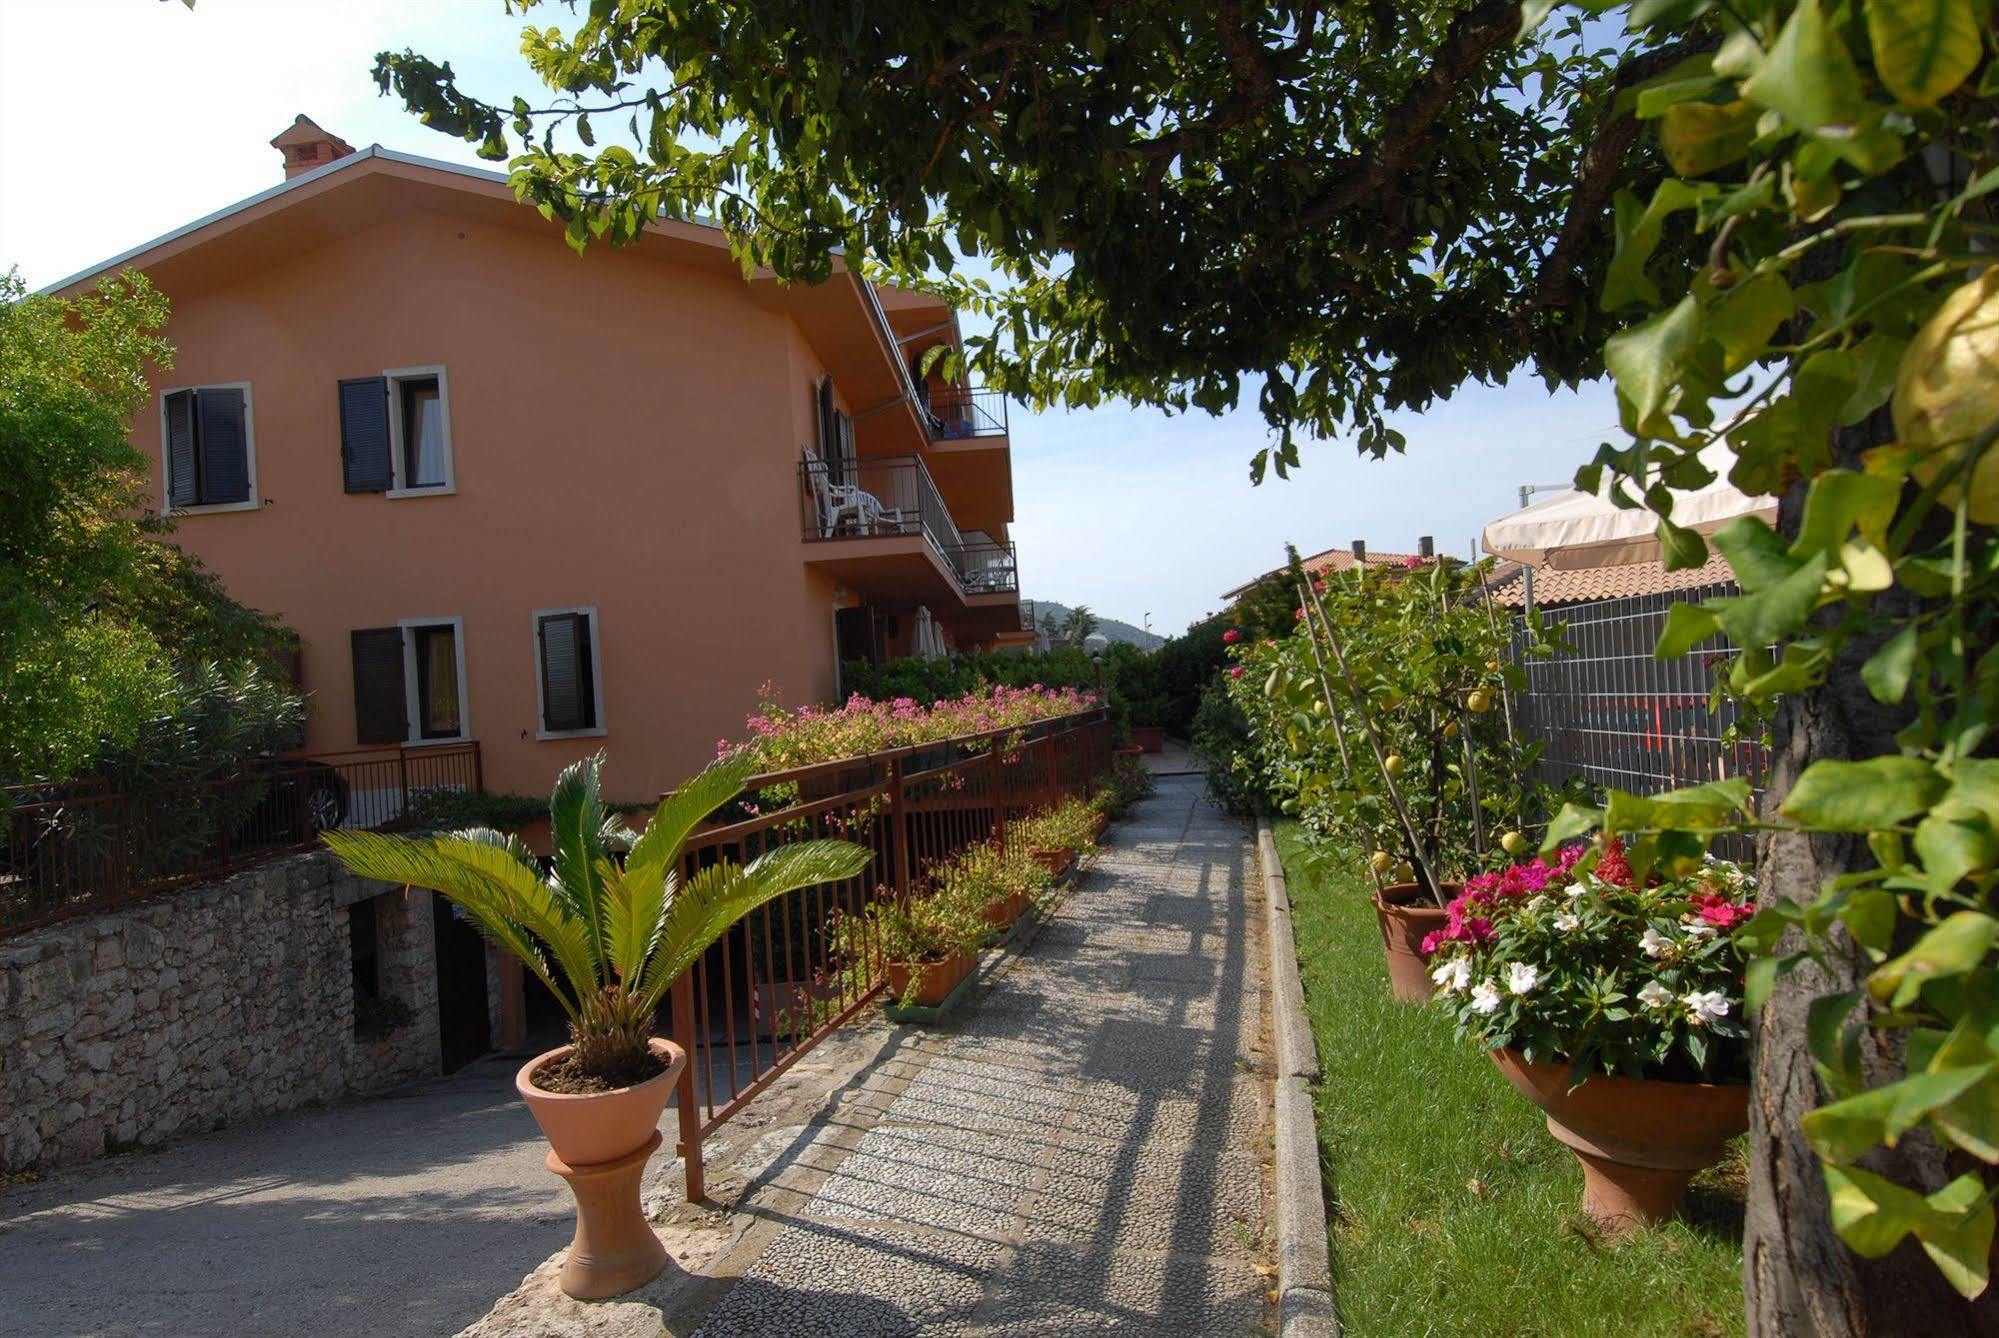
(1615,1005)
(607,936)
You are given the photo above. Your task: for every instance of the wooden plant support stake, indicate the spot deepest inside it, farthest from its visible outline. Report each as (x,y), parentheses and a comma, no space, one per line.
(1332,711)
(1425,877)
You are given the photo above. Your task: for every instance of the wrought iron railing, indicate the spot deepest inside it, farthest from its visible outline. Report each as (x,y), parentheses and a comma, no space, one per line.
(776,984)
(873,496)
(960,412)
(80,849)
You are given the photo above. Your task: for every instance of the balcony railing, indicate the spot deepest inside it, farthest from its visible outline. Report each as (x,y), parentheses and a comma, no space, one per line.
(960,412)
(874,496)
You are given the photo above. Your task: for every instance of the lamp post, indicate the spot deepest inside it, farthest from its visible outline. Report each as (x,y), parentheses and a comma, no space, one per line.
(1095,644)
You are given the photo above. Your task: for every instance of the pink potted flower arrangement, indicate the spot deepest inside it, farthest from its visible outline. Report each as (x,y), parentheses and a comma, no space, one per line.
(1615,1004)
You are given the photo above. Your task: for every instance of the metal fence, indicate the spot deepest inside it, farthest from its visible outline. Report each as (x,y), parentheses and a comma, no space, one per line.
(775,984)
(1614,715)
(80,849)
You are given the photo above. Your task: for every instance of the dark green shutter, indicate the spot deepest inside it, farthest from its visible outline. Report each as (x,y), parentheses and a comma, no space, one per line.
(364,434)
(183,487)
(379,711)
(225,446)
(568,688)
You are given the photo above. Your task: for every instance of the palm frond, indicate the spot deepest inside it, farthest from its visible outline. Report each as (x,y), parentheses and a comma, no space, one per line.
(576,821)
(682,811)
(721,894)
(485,897)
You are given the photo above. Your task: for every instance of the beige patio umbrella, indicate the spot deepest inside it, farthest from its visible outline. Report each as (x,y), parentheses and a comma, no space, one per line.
(1572,530)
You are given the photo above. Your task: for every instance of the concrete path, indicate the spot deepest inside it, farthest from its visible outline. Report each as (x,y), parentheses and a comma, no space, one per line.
(1083,1152)
(405,1214)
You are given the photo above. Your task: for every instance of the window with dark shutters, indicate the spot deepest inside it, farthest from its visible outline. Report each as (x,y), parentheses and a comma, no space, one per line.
(225,446)
(380,715)
(365,464)
(208,447)
(568,683)
(183,483)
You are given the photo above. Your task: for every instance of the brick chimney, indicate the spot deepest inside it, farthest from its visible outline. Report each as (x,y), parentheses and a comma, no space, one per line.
(306,147)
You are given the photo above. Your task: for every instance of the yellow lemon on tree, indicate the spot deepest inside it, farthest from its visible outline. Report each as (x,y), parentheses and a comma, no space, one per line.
(1392,764)
(1948,390)
(1513,843)
(1479,702)
(1381,861)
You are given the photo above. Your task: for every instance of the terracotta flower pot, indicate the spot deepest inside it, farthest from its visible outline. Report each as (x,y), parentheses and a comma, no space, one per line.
(1102,821)
(600,1142)
(1639,1141)
(1129,751)
(1407,915)
(936,979)
(1149,738)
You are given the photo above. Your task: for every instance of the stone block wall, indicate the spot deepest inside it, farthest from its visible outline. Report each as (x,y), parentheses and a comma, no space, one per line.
(195,1008)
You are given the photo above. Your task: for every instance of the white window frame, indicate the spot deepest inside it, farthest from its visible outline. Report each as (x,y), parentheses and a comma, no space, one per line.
(256,500)
(413,701)
(397,486)
(596,675)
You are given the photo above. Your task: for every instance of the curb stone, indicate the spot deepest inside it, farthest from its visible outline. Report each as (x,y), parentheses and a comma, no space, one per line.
(1305,1307)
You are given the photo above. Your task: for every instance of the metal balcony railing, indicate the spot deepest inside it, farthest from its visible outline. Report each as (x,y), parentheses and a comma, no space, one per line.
(959,412)
(872,496)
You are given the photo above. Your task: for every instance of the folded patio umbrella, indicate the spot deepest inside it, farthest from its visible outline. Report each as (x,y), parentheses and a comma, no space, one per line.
(1574,529)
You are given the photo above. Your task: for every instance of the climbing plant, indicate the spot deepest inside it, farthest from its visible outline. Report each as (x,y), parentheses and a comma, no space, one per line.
(1839,329)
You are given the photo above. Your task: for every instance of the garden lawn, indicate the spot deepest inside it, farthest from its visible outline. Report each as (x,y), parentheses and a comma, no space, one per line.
(1453,1210)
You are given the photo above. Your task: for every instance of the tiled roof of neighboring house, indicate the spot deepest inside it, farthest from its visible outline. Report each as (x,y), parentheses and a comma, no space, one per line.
(1593,583)
(1334,560)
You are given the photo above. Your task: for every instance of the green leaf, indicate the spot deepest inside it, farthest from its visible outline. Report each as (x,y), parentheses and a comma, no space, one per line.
(1847,1130)
(1699,137)
(1574,820)
(1687,626)
(1648,362)
(1807,76)
(1757,554)
(1638,231)
(1745,318)
(1873,1214)
(1887,670)
(1858,796)
(1953,847)
(1923,49)
(1952,948)
(1684,549)
(1841,501)
(1698,807)
(1871,917)
(1776,611)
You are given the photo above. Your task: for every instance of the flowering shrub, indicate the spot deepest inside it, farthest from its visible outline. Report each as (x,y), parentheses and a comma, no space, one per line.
(1071,825)
(781,739)
(1569,963)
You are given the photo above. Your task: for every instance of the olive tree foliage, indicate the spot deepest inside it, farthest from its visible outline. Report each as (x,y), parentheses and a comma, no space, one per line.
(1343,209)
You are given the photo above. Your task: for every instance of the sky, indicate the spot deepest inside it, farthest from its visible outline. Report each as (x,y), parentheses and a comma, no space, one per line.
(1142,516)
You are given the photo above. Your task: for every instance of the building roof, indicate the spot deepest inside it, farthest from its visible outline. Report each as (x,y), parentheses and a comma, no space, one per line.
(1333,560)
(1589,584)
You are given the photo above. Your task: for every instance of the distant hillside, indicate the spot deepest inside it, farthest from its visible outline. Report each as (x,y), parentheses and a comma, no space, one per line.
(1048,614)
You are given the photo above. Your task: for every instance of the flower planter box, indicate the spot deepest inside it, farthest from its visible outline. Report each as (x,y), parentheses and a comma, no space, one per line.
(1639,1140)
(1407,915)
(1149,738)
(935,979)
(1056,861)
(1128,751)
(1002,914)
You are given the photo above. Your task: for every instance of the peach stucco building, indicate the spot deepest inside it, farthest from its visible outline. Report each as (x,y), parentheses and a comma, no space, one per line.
(552,503)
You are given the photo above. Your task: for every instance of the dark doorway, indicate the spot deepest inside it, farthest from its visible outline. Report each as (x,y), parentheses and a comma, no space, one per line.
(462,1025)
(857,635)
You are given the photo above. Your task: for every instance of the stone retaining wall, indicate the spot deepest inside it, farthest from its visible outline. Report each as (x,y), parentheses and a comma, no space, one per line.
(195,1008)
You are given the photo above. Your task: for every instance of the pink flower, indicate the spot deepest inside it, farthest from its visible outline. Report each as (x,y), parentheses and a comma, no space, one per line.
(1299,612)
(1230,637)
(1415,563)
(1236,672)
(1613,867)
(1432,941)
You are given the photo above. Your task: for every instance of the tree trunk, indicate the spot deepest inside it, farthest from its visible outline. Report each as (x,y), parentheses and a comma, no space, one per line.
(1798,1276)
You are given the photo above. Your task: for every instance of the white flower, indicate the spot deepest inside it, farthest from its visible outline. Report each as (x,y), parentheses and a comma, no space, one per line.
(1699,930)
(1704,1006)
(1655,943)
(1655,995)
(1577,888)
(1522,978)
(1485,997)
(1539,900)
(1453,975)
(1567,922)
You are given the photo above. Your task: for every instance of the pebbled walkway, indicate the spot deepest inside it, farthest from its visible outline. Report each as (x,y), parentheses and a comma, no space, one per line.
(1082,1152)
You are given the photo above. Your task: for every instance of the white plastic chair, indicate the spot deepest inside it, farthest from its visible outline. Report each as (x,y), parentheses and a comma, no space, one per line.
(837,502)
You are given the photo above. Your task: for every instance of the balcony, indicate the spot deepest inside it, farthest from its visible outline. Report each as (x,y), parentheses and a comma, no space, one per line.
(884,526)
(965,413)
